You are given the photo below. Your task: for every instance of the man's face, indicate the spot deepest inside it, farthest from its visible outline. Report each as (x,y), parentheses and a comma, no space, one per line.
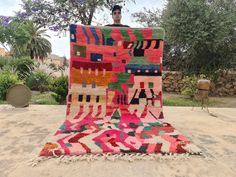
(116,15)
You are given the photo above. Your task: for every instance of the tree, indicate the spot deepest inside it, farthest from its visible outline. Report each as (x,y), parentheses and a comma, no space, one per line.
(4,22)
(201,34)
(59,14)
(14,37)
(38,46)
(148,17)
(151,18)
(24,38)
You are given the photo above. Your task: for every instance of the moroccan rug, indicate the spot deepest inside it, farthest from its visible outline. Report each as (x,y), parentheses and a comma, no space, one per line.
(115,96)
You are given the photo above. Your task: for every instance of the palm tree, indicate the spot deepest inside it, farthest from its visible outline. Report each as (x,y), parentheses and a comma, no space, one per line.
(27,38)
(38,47)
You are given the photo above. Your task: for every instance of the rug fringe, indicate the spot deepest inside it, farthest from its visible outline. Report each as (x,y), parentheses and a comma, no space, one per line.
(113,157)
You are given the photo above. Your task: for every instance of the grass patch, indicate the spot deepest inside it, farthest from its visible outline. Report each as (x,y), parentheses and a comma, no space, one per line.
(3,102)
(47,99)
(43,98)
(179,101)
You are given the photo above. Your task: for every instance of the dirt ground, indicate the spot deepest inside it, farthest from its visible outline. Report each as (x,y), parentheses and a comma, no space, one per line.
(24,132)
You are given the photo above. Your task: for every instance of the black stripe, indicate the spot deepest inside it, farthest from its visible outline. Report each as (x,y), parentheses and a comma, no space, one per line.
(118,99)
(146,74)
(148,44)
(141,45)
(124,99)
(157,44)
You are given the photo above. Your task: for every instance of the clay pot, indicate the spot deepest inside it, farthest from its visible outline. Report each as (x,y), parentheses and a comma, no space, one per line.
(203,84)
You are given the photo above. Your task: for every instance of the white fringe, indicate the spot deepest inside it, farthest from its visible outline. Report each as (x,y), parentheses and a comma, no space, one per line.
(113,157)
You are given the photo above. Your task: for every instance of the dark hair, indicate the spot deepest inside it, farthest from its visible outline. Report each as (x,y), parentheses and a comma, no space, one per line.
(116,7)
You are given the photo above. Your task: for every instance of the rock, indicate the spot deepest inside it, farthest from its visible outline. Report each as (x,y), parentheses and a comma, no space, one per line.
(227,86)
(175,85)
(178,76)
(180,85)
(167,82)
(225,83)
(177,90)
(170,77)
(169,90)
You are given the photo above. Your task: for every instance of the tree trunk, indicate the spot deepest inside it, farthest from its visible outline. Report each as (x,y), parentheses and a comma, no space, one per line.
(31,55)
(90,18)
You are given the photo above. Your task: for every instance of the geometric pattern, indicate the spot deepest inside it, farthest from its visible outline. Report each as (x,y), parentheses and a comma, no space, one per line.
(115,95)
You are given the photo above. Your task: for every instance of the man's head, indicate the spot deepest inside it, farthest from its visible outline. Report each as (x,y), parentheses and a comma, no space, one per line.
(116,14)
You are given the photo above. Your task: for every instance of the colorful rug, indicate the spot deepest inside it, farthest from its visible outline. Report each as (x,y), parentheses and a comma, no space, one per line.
(115,96)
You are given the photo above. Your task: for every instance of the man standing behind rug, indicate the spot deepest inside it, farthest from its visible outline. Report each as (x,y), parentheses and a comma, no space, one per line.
(116,16)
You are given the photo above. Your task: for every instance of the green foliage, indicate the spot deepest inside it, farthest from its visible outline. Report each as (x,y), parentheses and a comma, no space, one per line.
(24,66)
(201,34)
(3,62)
(38,80)
(24,38)
(56,68)
(53,67)
(45,98)
(190,85)
(38,46)
(21,66)
(179,101)
(148,17)
(16,36)
(60,88)
(7,79)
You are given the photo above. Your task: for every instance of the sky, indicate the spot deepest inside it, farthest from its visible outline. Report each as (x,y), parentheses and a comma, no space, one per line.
(60,45)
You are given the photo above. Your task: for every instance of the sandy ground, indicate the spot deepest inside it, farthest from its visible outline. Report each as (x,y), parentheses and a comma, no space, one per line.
(24,131)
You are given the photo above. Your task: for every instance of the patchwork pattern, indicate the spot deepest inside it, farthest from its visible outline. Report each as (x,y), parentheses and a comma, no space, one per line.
(115,95)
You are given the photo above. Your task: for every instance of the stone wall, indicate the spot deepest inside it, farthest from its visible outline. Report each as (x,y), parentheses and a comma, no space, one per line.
(224,83)
(172,81)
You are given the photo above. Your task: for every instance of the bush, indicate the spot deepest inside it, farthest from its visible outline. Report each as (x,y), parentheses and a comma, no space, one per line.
(38,81)
(60,88)
(24,66)
(3,62)
(7,80)
(43,98)
(190,85)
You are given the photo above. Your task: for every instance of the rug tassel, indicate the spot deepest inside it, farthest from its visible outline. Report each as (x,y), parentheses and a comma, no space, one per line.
(113,157)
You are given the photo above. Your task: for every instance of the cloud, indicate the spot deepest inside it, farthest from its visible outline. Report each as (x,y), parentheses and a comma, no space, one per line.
(7,7)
